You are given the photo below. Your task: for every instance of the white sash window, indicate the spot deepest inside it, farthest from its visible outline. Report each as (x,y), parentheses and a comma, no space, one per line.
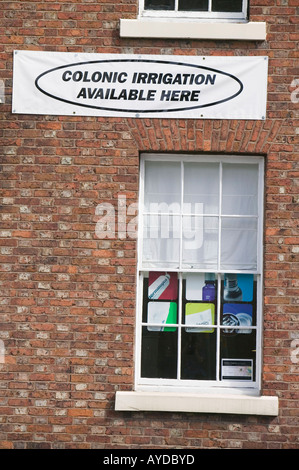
(200,272)
(205,9)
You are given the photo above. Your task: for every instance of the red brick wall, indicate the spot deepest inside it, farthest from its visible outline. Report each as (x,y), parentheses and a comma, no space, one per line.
(68,298)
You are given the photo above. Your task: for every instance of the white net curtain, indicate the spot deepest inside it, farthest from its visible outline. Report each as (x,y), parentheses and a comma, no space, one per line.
(200,215)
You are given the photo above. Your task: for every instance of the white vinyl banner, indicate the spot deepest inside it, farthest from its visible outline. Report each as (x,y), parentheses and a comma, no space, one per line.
(64,83)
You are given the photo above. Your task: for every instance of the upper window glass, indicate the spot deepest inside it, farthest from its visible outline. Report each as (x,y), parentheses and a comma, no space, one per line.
(218,9)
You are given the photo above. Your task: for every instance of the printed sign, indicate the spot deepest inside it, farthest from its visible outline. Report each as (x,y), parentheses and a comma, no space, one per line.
(162,313)
(64,83)
(163,286)
(235,315)
(237,369)
(200,314)
(201,286)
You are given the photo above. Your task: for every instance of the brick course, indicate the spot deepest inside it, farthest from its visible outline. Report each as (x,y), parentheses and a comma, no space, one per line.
(68,298)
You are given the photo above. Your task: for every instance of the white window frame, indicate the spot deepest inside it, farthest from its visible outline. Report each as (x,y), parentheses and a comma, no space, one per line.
(193,25)
(194,386)
(203,15)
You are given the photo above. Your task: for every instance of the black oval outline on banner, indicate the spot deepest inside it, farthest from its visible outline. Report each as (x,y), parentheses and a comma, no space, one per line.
(120,110)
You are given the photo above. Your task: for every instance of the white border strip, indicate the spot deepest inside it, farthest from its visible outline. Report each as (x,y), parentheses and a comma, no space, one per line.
(141,28)
(194,403)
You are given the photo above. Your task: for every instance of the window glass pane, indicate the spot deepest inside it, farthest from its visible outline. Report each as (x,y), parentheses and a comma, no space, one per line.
(162,286)
(227,5)
(198,360)
(238,308)
(199,301)
(237,315)
(201,188)
(239,189)
(160,314)
(157,287)
(238,355)
(159,4)
(162,185)
(199,314)
(239,288)
(238,342)
(200,286)
(161,241)
(200,242)
(239,243)
(159,354)
(193,5)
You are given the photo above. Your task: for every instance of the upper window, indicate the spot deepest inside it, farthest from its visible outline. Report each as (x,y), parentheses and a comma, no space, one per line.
(205,9)
(200,272)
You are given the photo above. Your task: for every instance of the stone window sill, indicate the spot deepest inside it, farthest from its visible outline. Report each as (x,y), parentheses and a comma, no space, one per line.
(196,403)
(179,29)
